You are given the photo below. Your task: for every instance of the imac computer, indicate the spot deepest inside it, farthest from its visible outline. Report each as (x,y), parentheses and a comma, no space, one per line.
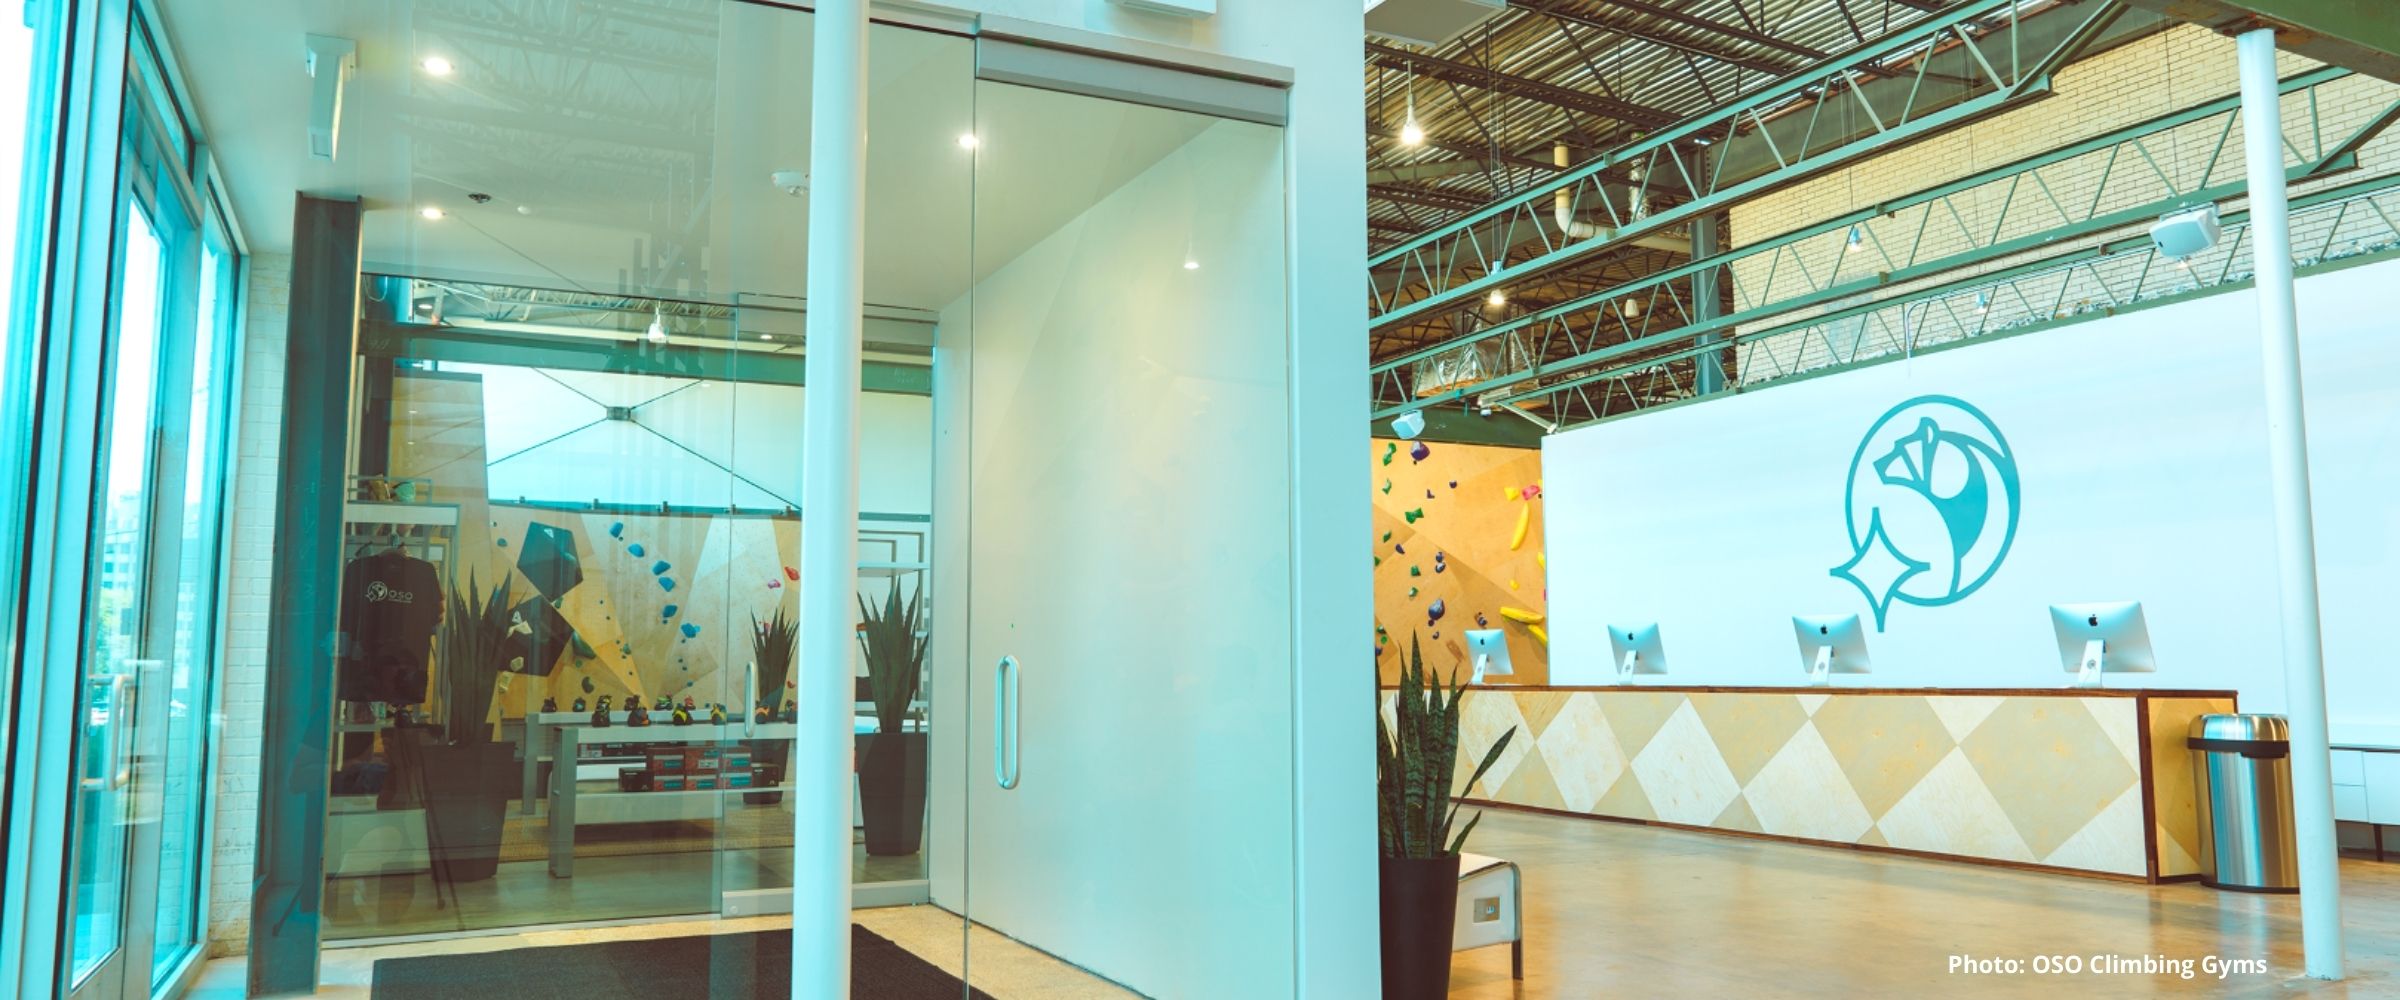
(1638,650)
(1830,644)
(1488,647)
(2102,638)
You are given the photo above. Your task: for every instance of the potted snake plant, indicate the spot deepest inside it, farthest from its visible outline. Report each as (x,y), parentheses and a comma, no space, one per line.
(1416,760)
(773,646)
(891,761)
(464,776)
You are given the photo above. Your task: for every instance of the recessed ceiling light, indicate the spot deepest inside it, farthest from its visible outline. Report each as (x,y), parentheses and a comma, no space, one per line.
(436,66)
(432,213)
(1190,264)
(968,140)
(766,336)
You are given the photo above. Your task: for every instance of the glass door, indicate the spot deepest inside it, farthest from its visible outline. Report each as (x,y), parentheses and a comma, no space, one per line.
(1129,789)
(130,612)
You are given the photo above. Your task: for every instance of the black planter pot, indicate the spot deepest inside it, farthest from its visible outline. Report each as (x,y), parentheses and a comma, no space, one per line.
(770,752)
(891,789)
(466,788)
(1419,899)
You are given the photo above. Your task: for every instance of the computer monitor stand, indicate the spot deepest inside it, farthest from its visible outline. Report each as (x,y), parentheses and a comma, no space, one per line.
(1480,662)
(2095,653)
(1633,660)
(1820,673)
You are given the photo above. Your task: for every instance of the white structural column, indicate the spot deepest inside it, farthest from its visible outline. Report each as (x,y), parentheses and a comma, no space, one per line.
(821,765)
(2295,531)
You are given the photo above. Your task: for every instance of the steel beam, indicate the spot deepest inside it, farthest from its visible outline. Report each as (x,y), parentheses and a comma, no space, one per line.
(1468,74)
(2363,35)
(1461,260)
(1618,26)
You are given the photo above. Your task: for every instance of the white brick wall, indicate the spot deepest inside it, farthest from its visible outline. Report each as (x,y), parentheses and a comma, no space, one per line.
(258,437)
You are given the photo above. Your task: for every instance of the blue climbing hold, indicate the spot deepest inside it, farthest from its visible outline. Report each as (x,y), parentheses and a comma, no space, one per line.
(635,548)
(691,631)
(669,611)
(616,530)
(667,583)
(659,567)
(502,542)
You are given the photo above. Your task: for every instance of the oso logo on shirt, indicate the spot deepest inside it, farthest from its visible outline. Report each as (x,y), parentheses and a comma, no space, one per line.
(378,592)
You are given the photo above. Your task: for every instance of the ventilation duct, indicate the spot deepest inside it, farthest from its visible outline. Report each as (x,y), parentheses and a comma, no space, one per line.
(1428,22)
(1482,361)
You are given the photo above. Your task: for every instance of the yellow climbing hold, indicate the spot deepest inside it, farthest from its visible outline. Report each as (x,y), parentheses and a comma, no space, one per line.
(1524,521)
(1520,615)
(1508,494)
(1539,634)
(1512,584)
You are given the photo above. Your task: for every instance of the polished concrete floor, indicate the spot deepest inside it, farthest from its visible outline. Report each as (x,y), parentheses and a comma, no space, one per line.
(1615,910)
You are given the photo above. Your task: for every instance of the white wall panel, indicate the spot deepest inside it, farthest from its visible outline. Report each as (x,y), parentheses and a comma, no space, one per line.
(2140,446)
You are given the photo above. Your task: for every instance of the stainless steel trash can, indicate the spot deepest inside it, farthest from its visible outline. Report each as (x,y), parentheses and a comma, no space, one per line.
(2243,768)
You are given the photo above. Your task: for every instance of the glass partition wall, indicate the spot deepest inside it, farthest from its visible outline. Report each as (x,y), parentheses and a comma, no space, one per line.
(571,532)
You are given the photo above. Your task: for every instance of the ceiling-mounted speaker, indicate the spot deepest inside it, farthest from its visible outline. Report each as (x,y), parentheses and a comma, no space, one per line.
(1428,22)
(330,63)
(2180,234)
(1179,8)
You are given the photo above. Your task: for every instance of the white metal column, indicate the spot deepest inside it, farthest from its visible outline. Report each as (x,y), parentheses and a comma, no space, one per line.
(2295,531)
(821,766)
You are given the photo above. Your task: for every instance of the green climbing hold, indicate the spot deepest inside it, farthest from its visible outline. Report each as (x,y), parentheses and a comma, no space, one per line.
(1378,560)
(1387,487)
(1413,571)
(1414,515)
(1390,449)
(1387,536)
(1412,593)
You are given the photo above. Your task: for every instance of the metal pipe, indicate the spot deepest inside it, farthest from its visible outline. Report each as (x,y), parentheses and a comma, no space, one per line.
(826,690)
(2295,532)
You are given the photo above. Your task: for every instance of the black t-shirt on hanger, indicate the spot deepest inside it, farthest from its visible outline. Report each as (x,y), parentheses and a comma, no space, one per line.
(391,602)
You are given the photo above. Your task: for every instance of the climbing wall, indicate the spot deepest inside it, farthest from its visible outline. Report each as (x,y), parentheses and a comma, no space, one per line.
(664,602)
(1458,546)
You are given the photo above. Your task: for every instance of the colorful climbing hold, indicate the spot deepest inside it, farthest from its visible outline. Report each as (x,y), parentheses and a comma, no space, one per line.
(1521,615)
(1435,612)
(1390,448)
(1413,571)
(1539,634)
(659,567)
(616,529)
(1387,487)
(1533,492)
(1412,593)
(1524,522)
(635,549)
(501,542)
(1400,547)
(691,631)
(1418,452)
(1428,494)
(669,611)
(1512,584)
(791,574)
(1480,622)
(1387,536)
(1454,484)
(666,583)
(1413,515)
(774,583)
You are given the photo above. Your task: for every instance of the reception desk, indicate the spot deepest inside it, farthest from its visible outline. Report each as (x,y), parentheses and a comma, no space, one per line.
(2092,782)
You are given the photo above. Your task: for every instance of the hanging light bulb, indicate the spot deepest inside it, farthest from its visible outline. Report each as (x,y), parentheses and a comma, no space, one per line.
(1498,298)
(1632,307)
(658,325)
(1411,133)
(1983,302)
(1858,238)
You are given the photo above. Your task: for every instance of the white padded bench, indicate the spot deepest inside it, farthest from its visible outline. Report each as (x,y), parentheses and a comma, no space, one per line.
(1489,892)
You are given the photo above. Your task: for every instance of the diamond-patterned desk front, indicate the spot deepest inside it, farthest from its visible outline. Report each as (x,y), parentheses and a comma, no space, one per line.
(2055,779)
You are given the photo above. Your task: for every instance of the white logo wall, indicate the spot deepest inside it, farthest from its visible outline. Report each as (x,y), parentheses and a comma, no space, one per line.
(2140,446)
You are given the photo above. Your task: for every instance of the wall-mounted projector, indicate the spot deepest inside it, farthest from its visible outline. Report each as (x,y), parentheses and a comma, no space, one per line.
(1428,22)
(2187,232)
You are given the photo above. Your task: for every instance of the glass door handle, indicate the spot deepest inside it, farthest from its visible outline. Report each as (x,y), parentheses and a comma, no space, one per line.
(118,769)
(1004,722)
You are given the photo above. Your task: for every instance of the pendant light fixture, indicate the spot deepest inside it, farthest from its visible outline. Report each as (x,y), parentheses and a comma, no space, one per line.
(658,325)
(1411,133)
